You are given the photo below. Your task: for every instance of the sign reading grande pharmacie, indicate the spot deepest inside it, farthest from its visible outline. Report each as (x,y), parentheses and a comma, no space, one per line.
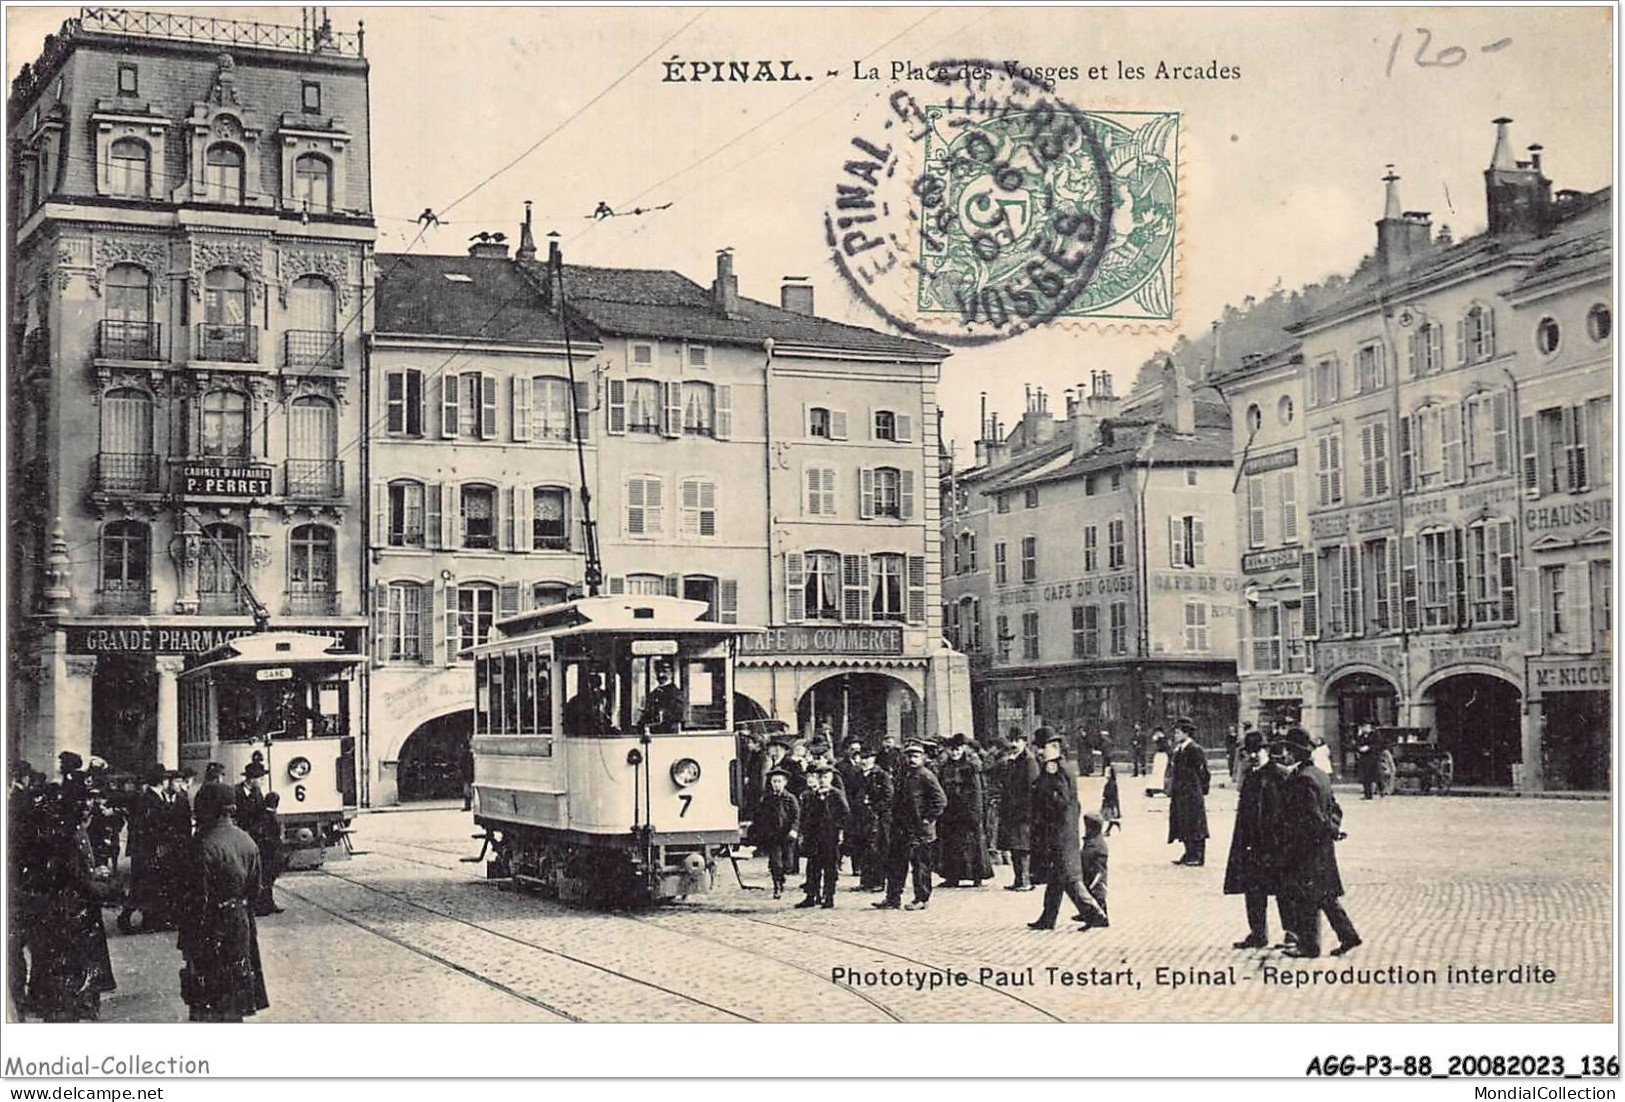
(213,480)
(190,639)
(821,640)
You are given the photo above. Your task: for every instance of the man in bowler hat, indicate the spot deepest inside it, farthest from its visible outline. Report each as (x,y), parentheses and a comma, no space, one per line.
(1311,824)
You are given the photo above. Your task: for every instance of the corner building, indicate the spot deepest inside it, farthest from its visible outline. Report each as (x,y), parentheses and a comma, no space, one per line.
(191,241)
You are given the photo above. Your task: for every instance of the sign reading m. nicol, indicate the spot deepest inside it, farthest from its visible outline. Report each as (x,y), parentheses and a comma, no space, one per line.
(832,640)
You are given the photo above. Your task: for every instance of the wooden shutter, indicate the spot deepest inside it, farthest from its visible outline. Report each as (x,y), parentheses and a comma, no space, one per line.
(1407,463)
(854,588)
(380,513)
(1461,342)
(380,623)
(1451,444)
(1577,631)
(1489,332)
(417,415)
(433,505)
(615,408)
(617,585)
(1368,462)
(1501,420)
(1176,542)
(1311,593)
(1323,485)
(812,498)
(1574,446)
(505,507)
(654,512)
(581,397)
(1288,487)
(1255,511)
(488,407)
(904,428)
(1455,568)
(905,494)
(671,421)
(426,623)
(448,406)
(673,584)
(1530,448)
(795,587)
(723,416)
(689,524)
(1353,590)
(916,589)
(449,608)
(1198,543)
(866,492)
(1396,588)
(1508,562)
(507,600)
(523,512)
(1534,637)
(520,385)
(728,600)
(837,424)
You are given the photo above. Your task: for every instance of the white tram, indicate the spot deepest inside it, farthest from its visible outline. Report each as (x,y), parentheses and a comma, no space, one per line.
(604,766)
(285,696)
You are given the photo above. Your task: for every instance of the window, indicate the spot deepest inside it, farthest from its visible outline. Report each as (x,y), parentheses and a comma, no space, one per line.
(643,354)
(970,622)
(890,492)
(1475,335)
(1374,459)
(823,586)
(699,517)
(1085,631)
(1001,568)
(127,435)
(885,425)
(1557,455)
(1091,549)
(645,514)
(1255,511)
(1195,627)
(1430,446)
(701,587)
(126,559)
(128,332)
(403,402)
(550,519)
(1119,625)
(1089,486)
(643,406)
(547,594)
(222,556)
(967,542)
(1324,382)
(1491,568)
(1425,349)
(129,80)
(1002,502)
(1029,636)
(1283,410)
(223,174)
(1029,558)
(645,585)
(1190,476)
(1115,550)
(1187,545)
(406,514)
(549,412)
(1265,628)
(1117,481)
(225,425)
(313,182)
(1599,323)
(1547,336)
(1436,555)
(820,491)
(699,409)
(310,563)
(1329,468)
(225,297)
(1380,585)
(1001,628)
(886,587)
(479,405)
(478,505)
(1334,590)
(1488,434)
(1370,368)
(1554,602)
(476,612)
(1599,417)
(130,169)
(1030,498)
(818,423)
(1255,419)
(699,356)
(310,97)
(403,623)
(1602,602)
(1287,484)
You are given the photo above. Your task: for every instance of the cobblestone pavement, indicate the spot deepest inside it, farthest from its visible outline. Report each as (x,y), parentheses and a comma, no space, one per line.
(406,932)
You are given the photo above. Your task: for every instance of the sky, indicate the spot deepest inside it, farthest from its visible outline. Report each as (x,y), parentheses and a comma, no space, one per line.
(1280,169)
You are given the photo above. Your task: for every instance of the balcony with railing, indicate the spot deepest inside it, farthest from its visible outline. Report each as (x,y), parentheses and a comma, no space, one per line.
(314,479)
(312,349)
(311,37)
(311,602)
(117,339)
(229,603)
(127,602)
(230,344)
(127,473)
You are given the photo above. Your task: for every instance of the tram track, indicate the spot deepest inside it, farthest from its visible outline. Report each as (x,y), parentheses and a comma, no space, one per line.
(733,914)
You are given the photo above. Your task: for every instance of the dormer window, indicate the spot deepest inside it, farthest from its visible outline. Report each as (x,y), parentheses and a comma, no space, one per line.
(223,174)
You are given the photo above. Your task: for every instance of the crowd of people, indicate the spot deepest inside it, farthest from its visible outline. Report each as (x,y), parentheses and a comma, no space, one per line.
(201,864)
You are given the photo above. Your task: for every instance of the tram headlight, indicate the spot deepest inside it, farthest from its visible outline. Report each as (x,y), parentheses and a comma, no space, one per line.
(684,772)
(298,768)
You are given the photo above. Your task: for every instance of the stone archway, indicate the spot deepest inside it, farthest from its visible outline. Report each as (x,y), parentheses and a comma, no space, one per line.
(1478,717)
(431,759)
(1358,697)
(867,705)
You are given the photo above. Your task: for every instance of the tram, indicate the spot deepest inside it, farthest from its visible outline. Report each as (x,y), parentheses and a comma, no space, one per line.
(604,749)
(286,697)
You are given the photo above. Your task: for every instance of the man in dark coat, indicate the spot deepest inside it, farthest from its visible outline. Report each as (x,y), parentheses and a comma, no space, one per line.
(849,772)
(1137,748)
(152,846)
(993,751)
(1057,856)
(222,980)
(917,803)
(1018,774)
(1311,824)
(664,709)
(1187,815)
(1093,863)
(824,817)
(871,813)
(963,849)
(249,796)
(1253,871)
(1366,761)
(268,837)
(69,965)
(775,826)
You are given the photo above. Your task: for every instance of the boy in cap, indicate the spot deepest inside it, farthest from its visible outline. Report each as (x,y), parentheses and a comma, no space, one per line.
(774,827)
(1094,870)
(824,815)
(917,803)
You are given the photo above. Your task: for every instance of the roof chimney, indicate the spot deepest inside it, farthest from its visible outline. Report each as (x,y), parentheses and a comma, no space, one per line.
(796,295)
(488,246)
(1518,196)
(725,290)
(1038,427)
(997,450)
(527,243)
(1391,258)
(1502,157)
(1534,156)
(1178,408)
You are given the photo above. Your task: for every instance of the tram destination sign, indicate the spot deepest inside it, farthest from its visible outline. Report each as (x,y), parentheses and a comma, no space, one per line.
(188,639)
(214,480)
(821,640)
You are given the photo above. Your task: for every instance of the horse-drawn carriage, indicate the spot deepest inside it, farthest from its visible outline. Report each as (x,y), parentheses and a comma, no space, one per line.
(1419,762)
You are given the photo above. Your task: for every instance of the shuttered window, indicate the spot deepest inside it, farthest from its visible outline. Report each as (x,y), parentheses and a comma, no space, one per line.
(645,512)
(699,508)
(403,402)
(820,496)
(1255,511)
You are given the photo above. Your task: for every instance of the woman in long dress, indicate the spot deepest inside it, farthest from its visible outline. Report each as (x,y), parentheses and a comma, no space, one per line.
(960,830)
(1159,783)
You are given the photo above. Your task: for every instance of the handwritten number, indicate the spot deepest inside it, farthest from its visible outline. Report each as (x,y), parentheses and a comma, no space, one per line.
(1448,57)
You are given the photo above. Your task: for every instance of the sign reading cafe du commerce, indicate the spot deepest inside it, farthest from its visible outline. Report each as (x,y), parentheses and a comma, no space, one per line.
(831,640)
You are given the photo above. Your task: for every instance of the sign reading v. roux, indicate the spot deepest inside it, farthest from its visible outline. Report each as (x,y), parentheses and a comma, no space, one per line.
(832,640)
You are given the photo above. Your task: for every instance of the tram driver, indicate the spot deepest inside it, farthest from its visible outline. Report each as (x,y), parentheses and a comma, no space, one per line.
(664,709)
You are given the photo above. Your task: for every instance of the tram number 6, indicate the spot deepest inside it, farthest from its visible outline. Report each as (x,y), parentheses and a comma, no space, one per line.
(299,793)
(687,799)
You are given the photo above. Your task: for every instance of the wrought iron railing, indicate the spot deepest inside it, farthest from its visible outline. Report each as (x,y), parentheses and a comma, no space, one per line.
(314,479)
(311,602)
(222,604)
(549,536)
(232,344)
(127,472)
(127,601)
(310,39)
(117,339)
(308,348)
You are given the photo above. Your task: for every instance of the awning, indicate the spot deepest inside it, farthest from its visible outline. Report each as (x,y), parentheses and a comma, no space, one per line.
(825,661)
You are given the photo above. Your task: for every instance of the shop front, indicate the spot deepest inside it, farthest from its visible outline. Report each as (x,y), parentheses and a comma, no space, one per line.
(1571,700)
(868,682)
(1276,698)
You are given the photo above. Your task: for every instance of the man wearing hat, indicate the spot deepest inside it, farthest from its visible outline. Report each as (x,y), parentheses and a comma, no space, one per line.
(151,851)
(963,849)
(917,803)
(249,796)
(1366,759)
(824,816)
(775,826)
(222,980)
(871,815)
(1311,824)
(1057,856)
(1253,871)
(1187,815)
(849,776)
(664,709)
(1017,775)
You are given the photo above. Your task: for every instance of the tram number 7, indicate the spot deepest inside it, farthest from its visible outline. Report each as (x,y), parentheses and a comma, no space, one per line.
(686,799)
